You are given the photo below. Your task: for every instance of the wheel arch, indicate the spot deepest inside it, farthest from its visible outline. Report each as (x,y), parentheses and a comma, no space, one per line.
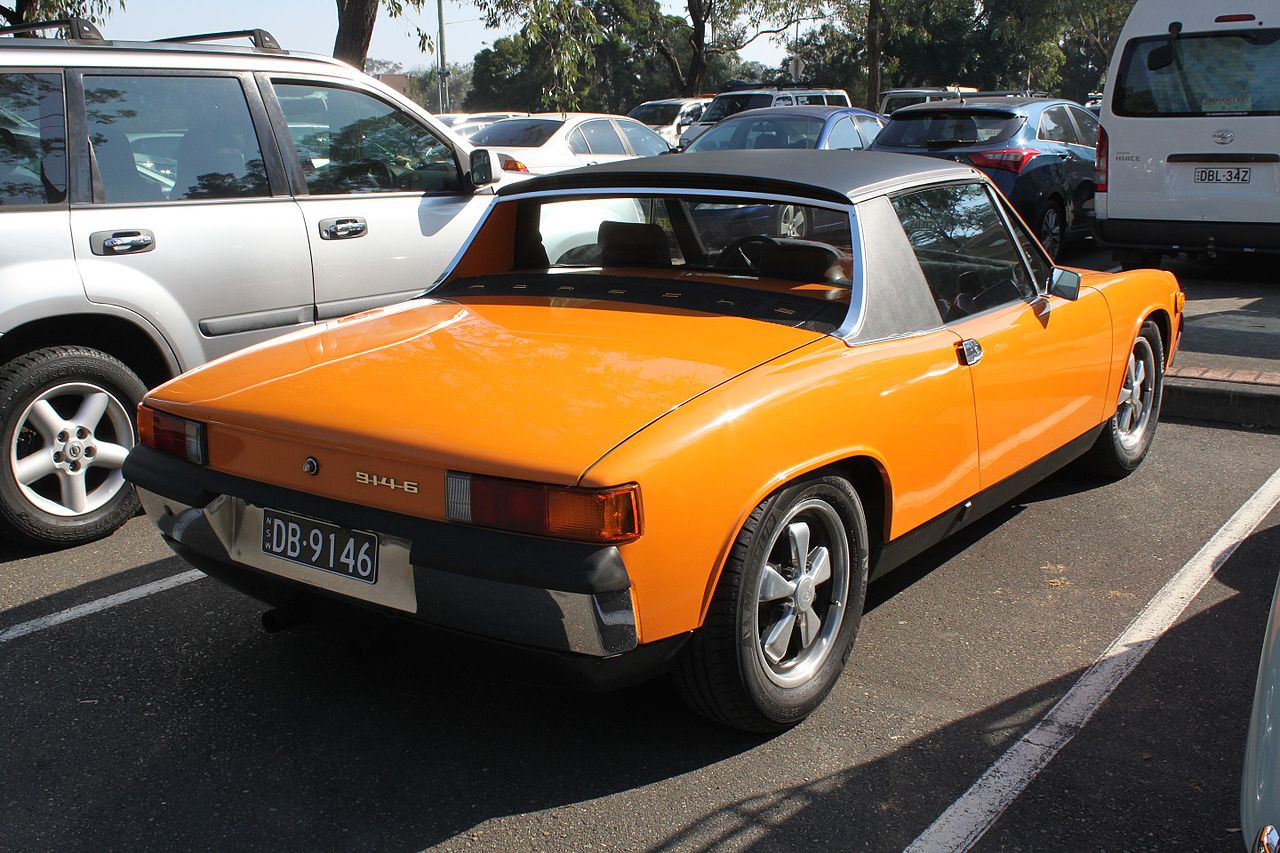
(1165,326)
(116,336)
(869,477)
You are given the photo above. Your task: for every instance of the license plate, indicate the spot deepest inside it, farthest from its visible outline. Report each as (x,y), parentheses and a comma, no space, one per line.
(307,542)
(1235,175)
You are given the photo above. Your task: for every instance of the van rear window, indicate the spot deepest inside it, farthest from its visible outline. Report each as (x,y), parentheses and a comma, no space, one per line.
(1235,72)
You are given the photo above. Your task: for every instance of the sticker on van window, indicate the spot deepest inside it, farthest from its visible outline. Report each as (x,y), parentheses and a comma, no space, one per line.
(1236,103)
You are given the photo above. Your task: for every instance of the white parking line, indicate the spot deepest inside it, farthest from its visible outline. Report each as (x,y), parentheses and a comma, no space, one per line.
(22,629)
(968,818)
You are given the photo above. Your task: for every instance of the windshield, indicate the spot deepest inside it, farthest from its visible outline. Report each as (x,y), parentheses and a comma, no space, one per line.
(727,105)
(762,132)
(518,132)
(1235,72)
(947,128)
(656,114)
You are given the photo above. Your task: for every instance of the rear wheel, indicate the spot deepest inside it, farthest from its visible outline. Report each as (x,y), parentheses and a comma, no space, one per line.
(1126,437)
(792,220)
(66,424)
(785,612)
(1051,229)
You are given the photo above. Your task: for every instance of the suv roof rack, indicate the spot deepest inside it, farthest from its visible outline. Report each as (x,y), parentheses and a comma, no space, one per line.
(262,40)
(77,28)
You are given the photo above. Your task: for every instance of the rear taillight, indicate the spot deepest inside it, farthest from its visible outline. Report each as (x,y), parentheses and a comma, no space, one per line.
(1010,159)
(1100,164)
(511,164)
(1233,19)
(607,516)
(172,435)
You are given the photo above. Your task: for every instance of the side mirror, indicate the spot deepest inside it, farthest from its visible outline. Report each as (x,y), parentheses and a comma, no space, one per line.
(481,168)
(1065,283)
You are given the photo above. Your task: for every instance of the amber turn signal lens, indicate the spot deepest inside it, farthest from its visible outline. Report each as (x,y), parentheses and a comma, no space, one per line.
(607,516)
(172,435)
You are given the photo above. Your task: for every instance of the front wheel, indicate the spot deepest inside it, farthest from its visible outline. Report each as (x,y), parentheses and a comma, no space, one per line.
(785,612)
(1126,437)
(66,423)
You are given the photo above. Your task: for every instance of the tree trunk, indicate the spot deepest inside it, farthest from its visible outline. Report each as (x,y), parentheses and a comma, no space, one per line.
(874,28)
(698,58)
(355,29)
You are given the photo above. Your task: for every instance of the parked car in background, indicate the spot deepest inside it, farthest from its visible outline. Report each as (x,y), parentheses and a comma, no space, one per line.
(450,119)
(550,142)
(206,197)
(896,99)
(669,118)
(1190,155)
(671,449)
(827,128)
(1039,152)
(731,103)
(472,124)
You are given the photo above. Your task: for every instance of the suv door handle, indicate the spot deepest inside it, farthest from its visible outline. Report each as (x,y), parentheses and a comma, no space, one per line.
(343,228)
(133,242)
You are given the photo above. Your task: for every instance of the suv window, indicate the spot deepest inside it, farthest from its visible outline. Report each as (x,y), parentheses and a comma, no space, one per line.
(602,138)
(810,100)
(1055,126)
(837,100)
(172,138)
(783,101)
(33,140)
(844,135)
(1087,125)
(967,255)
(643,141)
(349,142)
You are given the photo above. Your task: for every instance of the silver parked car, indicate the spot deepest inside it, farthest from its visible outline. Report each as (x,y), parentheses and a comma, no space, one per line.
(167,203)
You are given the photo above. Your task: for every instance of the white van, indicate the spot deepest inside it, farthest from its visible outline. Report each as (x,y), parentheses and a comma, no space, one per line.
(1189,156)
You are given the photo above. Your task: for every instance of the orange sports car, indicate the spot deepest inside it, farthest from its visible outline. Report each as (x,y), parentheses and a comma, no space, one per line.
(668,414)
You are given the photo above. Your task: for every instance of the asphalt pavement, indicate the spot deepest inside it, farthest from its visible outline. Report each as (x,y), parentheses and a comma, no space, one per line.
(173,722)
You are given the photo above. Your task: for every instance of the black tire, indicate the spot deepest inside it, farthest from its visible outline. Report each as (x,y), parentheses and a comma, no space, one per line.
(1051,228)
(23,381)
(1129,260)
(1122,446)
(723,673)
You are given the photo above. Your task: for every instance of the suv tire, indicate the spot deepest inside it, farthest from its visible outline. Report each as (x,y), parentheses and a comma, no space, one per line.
(66,422)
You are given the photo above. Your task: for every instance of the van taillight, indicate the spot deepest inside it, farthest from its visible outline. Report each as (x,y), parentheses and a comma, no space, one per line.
(1233,19)
(1100,164)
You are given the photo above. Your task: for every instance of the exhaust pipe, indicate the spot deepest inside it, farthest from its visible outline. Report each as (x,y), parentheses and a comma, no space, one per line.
(281,618)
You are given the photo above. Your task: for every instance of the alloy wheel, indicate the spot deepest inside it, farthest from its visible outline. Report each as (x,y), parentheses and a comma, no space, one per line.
(69,447)
(793,221)
(803,590)
(1051,231)
(1137,395)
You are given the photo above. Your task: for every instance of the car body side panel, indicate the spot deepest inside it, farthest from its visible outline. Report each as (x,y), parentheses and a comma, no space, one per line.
(1042,379)
(1134,297)
(907,404)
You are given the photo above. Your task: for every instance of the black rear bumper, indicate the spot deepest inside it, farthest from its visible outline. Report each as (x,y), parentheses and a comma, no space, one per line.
(1157,235)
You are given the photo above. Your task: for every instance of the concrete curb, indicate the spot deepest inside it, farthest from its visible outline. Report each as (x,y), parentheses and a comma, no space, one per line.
(1227,402)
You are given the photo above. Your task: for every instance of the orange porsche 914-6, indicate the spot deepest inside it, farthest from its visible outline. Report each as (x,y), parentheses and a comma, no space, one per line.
(669,414)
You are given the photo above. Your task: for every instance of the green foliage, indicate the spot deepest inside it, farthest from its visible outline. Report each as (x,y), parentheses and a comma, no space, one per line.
(28,11)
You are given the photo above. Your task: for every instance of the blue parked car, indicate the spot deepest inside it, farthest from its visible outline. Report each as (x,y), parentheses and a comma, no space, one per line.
(828,128)
(1039,151)
(792,127)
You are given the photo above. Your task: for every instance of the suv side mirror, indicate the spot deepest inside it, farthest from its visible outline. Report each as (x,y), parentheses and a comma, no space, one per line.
(481,168)
(1065,283)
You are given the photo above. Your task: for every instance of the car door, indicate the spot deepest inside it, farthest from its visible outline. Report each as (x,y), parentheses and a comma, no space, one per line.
(1040,364)
(382,194)
(1058,133)
(183,214)
(1086,145)
(642,141)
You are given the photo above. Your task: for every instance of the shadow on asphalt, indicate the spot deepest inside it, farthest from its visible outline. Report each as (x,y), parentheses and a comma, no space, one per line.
(1163,754)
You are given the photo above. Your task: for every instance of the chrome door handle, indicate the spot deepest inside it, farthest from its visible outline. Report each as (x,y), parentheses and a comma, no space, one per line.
(132,242)
(970,352)
(343,228)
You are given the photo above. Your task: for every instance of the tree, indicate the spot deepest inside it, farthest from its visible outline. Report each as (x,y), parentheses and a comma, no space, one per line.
(424,85)
(355,26)
(30,11)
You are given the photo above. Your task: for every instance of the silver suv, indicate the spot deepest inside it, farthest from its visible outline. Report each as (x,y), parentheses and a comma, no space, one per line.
(165,203)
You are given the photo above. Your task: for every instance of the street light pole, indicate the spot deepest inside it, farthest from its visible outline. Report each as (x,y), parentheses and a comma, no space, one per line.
(442,70)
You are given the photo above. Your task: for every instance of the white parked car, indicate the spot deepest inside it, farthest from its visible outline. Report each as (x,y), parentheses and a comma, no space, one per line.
(670,117)
(1189,157)
(551,142)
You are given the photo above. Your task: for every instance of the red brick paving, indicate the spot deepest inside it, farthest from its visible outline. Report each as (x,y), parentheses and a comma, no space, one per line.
(1222,374)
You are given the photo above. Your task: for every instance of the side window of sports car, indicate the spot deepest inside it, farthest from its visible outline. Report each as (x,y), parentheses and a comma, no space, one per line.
(968,256)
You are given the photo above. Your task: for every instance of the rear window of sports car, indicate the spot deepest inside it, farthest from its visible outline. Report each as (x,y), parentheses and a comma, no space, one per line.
(780,261)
